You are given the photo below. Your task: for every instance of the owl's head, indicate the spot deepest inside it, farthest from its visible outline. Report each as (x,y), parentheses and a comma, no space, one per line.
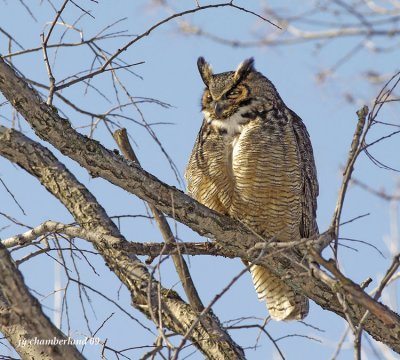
(227,92)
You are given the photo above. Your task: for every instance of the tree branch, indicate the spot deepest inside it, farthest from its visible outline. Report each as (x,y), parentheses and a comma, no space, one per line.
(355,149)
(137,248)
(22,319)
(149,31)
(182,269)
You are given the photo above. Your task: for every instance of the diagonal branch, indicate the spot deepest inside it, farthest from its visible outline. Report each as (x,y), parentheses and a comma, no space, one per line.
(22,318)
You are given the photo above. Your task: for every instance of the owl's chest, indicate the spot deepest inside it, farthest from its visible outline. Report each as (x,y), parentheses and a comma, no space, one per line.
(231,131)
(253,148)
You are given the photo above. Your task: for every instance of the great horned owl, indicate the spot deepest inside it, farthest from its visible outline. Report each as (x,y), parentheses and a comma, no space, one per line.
(253,161)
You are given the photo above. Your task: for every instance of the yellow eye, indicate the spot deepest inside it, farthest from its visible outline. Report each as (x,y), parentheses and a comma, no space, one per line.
(234,93)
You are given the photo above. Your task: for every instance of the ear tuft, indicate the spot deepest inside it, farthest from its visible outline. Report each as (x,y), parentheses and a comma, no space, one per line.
(205,70)
(244,68)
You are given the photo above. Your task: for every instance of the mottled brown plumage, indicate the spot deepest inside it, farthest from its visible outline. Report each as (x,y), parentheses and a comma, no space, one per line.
(253,160)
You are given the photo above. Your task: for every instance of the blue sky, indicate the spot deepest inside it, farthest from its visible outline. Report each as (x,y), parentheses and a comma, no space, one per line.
(169,74)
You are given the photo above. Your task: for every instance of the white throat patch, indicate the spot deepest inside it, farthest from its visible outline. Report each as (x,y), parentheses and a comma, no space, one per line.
(232,126)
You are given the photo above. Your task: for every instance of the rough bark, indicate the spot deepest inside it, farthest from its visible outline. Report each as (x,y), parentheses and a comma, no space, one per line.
(177,315)
(23,322)
(383,324)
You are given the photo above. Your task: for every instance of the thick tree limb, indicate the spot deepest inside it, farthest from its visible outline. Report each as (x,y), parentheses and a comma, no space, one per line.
(22,320)
(229,233)
(176,315)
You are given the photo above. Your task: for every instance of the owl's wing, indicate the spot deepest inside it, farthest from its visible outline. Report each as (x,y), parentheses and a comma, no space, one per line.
(308,226)
(207,175)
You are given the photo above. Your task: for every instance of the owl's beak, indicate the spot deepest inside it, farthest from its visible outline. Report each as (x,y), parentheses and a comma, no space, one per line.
(218,109)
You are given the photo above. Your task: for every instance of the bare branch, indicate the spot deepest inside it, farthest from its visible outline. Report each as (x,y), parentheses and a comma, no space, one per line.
(147,33)
(28,10)
(380,193)
(17,303)
(52,80)
(206,311)
(182,269)
(12,195)
(58,14)
(11,38)
(355,149)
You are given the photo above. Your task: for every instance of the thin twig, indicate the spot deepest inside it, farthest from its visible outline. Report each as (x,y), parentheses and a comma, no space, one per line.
(11,38)
(52,80)
(386,279)
(46,40)
(150,30)
(28,10)
(13,197)
(262,330)
(182,269)
(380,193)
(340,343)
(205,311)
(355,149)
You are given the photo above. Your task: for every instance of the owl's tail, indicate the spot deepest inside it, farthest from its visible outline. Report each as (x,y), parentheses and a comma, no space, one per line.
(283,302)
